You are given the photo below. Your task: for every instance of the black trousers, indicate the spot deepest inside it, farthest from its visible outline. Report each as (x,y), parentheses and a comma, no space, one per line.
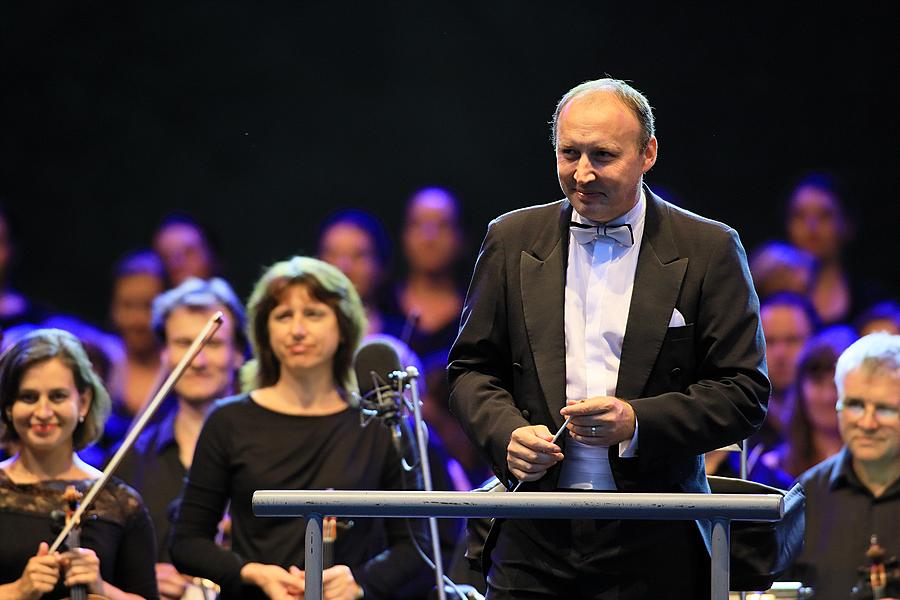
(599,560)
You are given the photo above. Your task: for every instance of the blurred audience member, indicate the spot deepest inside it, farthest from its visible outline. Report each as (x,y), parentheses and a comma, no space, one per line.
(159,461)
(884,316)
(137,280)
(431,294)
(811,431)
(788,321)
(356,243)
(855,494)
(817,222)
(15,308)
(779,267)
(436,412)
(186,249)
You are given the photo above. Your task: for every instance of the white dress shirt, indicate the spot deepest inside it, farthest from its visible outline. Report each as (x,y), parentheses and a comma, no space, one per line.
(599,284)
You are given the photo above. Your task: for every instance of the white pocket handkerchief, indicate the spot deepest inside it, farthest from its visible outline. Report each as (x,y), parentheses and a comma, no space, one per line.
(677,319)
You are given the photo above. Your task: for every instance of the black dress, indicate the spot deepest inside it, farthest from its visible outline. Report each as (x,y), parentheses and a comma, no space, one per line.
(116,527)
(245,447)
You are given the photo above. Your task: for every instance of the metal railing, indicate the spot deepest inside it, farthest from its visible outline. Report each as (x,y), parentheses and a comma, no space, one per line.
(720,509)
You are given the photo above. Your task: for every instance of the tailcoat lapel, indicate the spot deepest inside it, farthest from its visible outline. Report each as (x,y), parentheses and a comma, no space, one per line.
(542,270)
(657,283)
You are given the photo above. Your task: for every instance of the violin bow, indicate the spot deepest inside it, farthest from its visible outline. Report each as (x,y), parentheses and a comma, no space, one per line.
(199,342)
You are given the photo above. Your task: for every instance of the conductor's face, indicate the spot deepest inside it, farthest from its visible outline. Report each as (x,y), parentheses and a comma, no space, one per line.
(598,156)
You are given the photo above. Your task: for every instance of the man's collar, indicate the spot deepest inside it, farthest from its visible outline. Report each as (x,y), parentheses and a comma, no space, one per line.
(843,475)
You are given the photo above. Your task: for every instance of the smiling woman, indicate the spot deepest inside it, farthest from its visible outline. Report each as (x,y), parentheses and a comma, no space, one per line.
(53,404)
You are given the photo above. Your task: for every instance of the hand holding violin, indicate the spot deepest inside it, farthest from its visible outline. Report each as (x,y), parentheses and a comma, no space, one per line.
(82,567)
(39,577)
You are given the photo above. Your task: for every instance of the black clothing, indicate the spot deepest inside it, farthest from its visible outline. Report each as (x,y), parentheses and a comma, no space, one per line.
(245,447)
(116,527)
(153,467)
(841,516)
(540,558)
(694,387)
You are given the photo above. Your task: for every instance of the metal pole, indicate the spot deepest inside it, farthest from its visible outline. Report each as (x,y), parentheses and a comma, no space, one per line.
(720,509)
(521,505)
(720,577)
(313,564)
(412,375)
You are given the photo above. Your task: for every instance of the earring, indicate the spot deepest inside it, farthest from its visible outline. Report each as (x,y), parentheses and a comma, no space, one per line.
(81,418)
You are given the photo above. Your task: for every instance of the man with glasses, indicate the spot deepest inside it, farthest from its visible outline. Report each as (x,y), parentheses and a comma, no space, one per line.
(855,494)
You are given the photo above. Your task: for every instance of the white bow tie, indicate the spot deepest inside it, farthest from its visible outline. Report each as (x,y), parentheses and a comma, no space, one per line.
(585,233)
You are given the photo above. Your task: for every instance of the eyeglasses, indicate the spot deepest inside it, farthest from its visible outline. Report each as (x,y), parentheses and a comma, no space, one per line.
(856,409)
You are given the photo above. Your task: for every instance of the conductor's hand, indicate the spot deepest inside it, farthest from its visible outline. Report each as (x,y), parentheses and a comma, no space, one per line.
(531,452)
(600,421)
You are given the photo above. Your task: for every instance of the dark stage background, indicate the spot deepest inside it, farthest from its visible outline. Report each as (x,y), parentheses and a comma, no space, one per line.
(262,117)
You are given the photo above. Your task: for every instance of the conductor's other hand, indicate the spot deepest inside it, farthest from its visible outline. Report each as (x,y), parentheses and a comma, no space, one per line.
(531,452)
(600,421)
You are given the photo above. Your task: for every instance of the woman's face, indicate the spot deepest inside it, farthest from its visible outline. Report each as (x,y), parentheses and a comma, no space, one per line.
(184,251)
(350,249)
(815,223)
(303,332)
(47,407)
(431,237)
(820,394)
(131,310)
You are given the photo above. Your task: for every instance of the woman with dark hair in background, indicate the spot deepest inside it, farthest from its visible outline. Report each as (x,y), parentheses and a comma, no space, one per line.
(294,430)
(355,242)
(186,249)
(818,223)
(137,279)
(811,431)
(431,295)
(53,404)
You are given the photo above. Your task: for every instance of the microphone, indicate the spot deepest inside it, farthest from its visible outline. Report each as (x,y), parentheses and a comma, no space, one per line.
(380,392)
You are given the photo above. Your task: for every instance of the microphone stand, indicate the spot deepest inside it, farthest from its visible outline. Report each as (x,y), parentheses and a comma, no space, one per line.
(410,377)
(209,330)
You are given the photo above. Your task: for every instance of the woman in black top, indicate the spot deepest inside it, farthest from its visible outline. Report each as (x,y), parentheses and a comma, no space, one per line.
(53,404)
(295,430)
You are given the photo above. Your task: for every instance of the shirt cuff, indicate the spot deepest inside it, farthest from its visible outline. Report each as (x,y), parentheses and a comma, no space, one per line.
(628,448)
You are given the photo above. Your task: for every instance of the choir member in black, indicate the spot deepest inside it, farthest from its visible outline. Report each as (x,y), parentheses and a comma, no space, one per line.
(294,430)
(52,405)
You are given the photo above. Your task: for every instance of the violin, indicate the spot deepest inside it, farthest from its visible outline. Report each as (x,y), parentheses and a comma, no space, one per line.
(72,497)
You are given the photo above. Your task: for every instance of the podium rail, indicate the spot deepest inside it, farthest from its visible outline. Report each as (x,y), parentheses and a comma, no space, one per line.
(720,509)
